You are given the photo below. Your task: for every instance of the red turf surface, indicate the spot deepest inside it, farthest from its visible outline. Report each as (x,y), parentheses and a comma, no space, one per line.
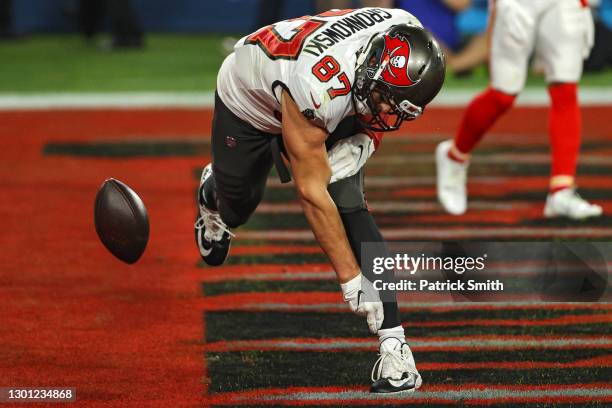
(74,316)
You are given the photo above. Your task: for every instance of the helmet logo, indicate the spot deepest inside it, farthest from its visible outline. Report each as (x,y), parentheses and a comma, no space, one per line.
(395,59)
(399,61)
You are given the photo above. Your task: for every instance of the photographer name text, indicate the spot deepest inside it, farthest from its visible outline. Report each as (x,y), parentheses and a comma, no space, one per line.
(439,286)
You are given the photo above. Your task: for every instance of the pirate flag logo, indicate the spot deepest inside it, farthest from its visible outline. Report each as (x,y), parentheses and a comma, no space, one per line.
(395,59)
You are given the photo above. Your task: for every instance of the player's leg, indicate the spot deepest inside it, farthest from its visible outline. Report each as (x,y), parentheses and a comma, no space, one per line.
(360,227)
(511,32)
(232,186)
(561,45)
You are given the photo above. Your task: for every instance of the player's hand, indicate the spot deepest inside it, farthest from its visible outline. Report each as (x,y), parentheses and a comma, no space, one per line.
(347,156)
(518,21)
(364,300)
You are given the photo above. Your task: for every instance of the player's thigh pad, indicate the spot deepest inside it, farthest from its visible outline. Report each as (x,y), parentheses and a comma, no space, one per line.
(509,50)
(561,41)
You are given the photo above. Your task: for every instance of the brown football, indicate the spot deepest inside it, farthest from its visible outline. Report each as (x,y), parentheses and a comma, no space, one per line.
(121,220)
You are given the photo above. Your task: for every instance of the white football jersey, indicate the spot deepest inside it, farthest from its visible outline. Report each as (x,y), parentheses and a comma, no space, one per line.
(313,58)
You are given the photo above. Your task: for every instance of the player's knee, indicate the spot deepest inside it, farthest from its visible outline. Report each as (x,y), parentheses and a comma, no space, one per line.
(563,95)
(360,227)
(502,100)
(236,199)
(234,215)
(347,194)
(236,208)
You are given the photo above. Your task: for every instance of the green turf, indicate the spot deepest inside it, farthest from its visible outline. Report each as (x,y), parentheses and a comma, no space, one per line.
(274,259)
(66,63)
(255,369)
(220,288)
(270,325)
(128,149)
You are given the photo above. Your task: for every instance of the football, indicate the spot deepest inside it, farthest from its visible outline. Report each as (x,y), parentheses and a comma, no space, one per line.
(121,220)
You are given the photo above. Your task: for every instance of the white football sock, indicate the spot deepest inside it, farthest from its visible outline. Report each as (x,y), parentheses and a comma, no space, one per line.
(396,332)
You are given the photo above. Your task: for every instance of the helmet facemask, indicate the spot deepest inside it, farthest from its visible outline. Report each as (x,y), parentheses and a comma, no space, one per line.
(378,121)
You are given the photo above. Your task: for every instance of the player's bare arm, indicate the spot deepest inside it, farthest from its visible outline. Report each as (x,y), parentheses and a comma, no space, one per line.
(305,145)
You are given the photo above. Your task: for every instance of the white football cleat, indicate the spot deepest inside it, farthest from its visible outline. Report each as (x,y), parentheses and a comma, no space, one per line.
(395,370)
(568,203)
(212,236)
(451,180)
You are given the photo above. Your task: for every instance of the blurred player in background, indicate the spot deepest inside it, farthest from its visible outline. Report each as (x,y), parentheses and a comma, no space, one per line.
(560,32)
(320,89)
(6,20)
(127,32)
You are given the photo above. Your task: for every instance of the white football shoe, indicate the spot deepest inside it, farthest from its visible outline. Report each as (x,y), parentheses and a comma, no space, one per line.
(568,203)
(451,180)
(395,370)
(212,236)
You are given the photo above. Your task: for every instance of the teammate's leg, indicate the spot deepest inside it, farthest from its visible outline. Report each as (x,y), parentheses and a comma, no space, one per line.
(231,186)
(360,227)
(561,45)
(510,47)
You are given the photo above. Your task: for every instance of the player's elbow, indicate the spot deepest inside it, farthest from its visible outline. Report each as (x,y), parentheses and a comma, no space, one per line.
(308,194)
(312,191)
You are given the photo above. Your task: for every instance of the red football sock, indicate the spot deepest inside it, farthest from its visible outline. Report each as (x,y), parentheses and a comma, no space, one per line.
(479,116)
(564,129)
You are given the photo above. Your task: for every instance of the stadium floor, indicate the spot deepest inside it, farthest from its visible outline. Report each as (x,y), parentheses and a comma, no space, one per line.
(269,328)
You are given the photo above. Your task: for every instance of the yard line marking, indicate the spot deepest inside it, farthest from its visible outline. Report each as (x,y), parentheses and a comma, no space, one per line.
(435,393)
(332,301)
(448,344)
(589,96)
(498,159)
(398,206)
(439,233)
(404,181)
(301,272)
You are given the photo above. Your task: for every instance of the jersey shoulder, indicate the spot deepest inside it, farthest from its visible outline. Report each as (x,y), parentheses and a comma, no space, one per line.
(321,87)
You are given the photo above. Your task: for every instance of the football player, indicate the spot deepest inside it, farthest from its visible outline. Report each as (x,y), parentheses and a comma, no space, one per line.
(317,91)
(561,34)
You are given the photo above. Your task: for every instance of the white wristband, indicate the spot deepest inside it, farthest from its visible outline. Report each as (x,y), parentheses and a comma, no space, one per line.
(351,286)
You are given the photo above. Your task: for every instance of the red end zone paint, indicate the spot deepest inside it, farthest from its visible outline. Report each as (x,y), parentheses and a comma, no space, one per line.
(72,315)
(90,124)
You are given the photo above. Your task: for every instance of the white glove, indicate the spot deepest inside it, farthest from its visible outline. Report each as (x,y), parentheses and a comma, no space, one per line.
(518,22)
(349,155)
(364,300)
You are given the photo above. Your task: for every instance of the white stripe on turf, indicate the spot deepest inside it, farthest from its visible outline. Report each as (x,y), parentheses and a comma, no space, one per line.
(397,207)
(498,159)
(466,394)
(63,100)
(436,233)
(473,343)
(407,306)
